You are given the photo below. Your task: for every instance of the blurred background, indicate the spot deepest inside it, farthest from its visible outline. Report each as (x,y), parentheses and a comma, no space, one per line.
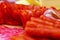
(47,3)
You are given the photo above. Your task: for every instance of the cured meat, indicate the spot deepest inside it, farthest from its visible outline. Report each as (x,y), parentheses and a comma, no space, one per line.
(19,14)
(26,37)
(1,17)
(21,37)
(56,23)
(7,14)
(37,27)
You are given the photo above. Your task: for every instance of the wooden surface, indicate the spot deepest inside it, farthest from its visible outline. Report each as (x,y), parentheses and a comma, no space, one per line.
(49,3)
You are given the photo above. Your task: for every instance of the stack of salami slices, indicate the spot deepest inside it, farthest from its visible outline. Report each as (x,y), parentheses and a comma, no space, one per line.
(32,21)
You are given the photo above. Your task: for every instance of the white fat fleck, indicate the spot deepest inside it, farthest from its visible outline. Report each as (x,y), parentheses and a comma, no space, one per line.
(48,13)
(11,0)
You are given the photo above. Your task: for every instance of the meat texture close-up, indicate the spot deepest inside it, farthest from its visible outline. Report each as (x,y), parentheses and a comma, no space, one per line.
(29,22)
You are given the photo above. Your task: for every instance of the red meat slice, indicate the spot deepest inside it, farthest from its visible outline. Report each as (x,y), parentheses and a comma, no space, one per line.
(26,37)
(15,14)
(37,28)
(1,17)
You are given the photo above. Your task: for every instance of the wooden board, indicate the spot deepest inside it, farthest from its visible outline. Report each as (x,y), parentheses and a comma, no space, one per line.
(49,3)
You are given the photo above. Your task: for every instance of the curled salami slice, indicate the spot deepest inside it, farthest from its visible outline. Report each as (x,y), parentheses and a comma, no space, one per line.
(36,28)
